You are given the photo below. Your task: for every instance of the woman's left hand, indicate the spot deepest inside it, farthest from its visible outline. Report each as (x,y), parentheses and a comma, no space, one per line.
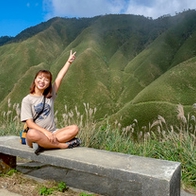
(51,137)
(72,57)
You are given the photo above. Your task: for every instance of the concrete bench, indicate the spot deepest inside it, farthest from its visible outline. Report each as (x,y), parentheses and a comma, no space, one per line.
(99,171)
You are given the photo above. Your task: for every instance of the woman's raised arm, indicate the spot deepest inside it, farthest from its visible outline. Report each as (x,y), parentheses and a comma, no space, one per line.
(63,71)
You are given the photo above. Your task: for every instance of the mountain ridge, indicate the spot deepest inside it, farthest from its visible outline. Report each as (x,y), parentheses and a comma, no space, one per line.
(122,61)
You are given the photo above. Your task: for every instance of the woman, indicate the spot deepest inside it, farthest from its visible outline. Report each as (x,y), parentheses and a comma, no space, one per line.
(42,131)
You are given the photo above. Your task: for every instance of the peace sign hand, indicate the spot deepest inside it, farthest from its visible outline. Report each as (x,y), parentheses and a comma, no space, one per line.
(71,57)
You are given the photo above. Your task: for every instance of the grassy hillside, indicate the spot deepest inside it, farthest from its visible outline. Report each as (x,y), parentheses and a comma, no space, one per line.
(162,96)
(128,67)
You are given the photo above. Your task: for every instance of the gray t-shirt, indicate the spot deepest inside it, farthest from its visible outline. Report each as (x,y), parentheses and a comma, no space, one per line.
(32,105)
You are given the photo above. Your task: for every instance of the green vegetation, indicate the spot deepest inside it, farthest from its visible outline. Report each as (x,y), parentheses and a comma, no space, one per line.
(46,191)
(156,140)
(61,187)
(85,194)
(130,75)
(9,173)
(125,64)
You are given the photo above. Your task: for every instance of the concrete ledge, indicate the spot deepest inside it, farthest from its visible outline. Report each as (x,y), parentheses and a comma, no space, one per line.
(104,172)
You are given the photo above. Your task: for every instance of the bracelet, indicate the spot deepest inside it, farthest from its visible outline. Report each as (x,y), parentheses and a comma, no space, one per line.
(69,62)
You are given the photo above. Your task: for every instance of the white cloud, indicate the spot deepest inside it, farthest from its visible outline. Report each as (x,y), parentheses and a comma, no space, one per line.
(82,8)
(159,8)
(76,8)
(90,8)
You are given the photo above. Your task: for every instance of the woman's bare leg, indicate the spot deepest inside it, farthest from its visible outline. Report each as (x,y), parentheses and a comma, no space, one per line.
(34,136)
(67,133)
(63,135)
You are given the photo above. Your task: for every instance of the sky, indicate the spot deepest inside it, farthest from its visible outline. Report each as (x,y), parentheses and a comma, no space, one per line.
(17,15)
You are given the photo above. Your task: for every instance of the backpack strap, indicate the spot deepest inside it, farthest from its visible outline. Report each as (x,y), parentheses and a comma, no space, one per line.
(41,110)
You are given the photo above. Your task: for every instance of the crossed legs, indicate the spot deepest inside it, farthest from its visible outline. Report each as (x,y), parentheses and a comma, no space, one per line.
(63,135)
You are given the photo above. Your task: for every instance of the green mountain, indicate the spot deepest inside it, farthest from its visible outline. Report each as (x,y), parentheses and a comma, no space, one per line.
(127,67)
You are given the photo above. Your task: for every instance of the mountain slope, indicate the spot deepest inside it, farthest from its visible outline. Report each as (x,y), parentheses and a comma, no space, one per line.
(128,67)
(176,86)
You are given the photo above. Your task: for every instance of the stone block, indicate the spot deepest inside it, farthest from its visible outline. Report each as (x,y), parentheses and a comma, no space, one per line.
(104,172)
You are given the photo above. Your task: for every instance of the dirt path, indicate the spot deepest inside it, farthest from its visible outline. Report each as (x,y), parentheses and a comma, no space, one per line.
(21,184)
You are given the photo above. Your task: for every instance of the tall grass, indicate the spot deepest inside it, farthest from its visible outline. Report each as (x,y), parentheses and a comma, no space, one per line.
(157,139)
(85,121)
(10,120)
